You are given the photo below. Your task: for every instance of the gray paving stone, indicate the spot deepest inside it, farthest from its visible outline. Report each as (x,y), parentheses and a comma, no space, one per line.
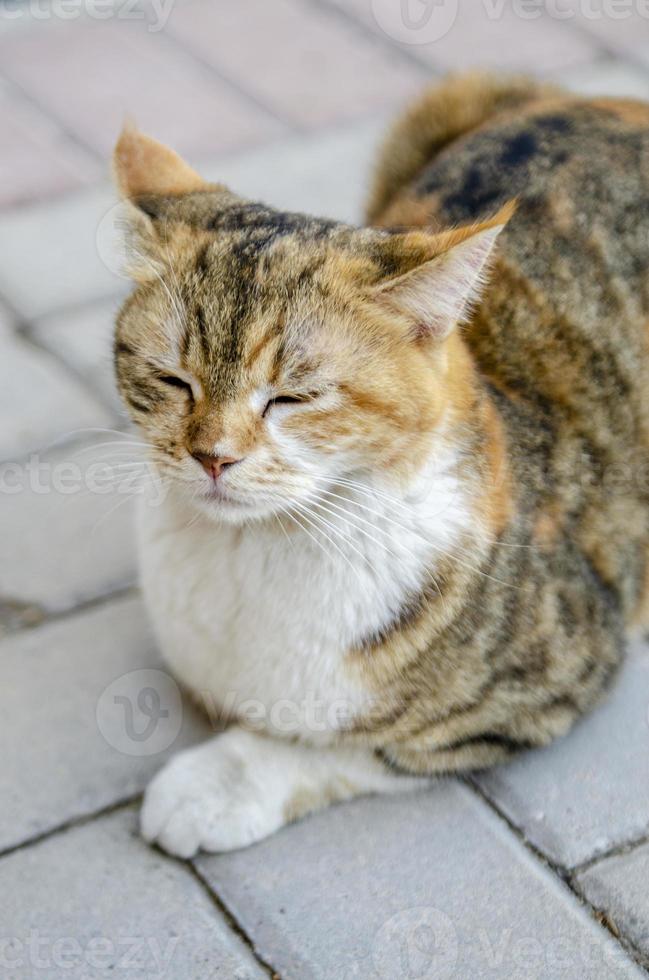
(83,339)
(589,791)
(618,887)
(325,174)
(607,77)
(39,399)
(38,158)
(67,540)
(331,73)
(50,257)
(622,27)
(428,886)
(82,703)
(459,36)
(126,68)
(97,902)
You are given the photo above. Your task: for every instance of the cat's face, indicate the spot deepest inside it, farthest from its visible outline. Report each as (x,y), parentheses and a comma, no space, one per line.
(264,355)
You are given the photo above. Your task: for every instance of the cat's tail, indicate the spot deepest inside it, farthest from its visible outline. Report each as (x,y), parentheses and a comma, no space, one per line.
(441,115)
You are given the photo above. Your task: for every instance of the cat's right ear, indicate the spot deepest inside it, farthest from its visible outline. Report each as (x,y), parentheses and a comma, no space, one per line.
(145,168)
(147,173)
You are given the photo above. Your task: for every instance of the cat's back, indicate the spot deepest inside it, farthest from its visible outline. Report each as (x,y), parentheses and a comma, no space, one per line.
(568,308)
(575,256)
(571,164)
(579,171)
(562,334)
(566,314)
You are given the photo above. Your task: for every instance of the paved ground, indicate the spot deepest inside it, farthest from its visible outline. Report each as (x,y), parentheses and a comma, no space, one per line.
(538,870)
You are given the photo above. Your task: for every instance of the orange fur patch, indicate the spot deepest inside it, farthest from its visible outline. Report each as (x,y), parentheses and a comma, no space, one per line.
(628,110)
(144,166)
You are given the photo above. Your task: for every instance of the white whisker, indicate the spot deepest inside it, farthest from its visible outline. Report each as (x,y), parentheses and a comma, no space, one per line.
(310,518)
(338,532)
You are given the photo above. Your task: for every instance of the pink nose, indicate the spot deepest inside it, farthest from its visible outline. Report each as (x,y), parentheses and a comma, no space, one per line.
(214,465)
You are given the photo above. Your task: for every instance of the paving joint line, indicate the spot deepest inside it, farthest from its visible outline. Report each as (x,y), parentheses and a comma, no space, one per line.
(608,48)
(26,324)
(359,27)
(52,117)
(231,919)
(71,824)
(608,922)
(27,336)
(554,866)
(173,41)
(123,804)
(564,874)
(70,440)
(181,45)
(50,617)
(626,847)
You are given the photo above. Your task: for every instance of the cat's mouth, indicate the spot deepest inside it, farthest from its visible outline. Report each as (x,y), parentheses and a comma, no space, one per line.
(221,503)
(220,495)
(220,500)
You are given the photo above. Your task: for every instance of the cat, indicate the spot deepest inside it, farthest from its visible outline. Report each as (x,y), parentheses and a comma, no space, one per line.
(406,517)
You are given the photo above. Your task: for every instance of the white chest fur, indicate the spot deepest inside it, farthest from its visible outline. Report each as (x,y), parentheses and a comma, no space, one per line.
(260,622)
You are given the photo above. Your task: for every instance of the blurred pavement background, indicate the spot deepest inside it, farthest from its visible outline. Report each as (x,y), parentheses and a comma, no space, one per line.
(538,869)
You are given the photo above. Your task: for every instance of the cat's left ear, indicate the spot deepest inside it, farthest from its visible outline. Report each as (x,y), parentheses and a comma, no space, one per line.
(438,292)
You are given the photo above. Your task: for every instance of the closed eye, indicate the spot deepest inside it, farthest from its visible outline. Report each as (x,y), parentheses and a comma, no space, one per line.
(287,400)
(175,382)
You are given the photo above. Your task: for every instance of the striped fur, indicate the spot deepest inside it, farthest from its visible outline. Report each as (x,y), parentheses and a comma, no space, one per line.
(561,343)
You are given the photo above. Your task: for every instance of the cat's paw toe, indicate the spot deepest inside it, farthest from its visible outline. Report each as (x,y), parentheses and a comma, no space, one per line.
(181,834)
(206,799)
(167,808)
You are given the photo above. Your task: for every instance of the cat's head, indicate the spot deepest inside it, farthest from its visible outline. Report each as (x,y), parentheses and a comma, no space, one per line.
(265,355)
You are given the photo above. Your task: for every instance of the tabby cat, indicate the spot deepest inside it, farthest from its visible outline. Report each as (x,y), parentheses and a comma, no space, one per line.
(406,518)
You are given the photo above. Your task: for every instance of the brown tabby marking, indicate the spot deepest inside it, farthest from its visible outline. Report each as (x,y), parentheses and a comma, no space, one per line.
(560,340)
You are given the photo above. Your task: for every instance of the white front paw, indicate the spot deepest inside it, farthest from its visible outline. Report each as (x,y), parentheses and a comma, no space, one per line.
(216,797)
